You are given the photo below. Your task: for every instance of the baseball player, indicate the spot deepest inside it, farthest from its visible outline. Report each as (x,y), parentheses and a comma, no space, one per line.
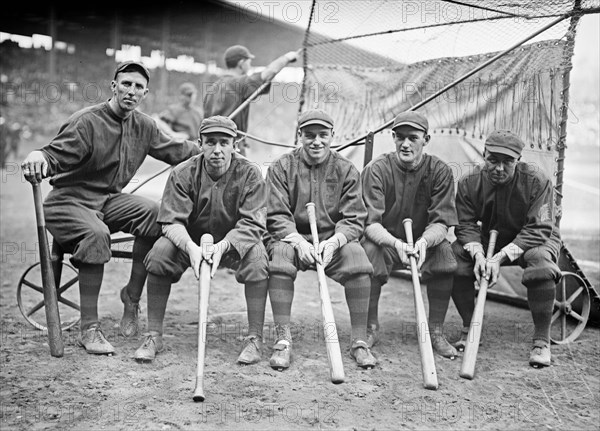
(184,117)
(94,155)
(516,199)
(222,193)
(315,173)
(407,183)
(232,89)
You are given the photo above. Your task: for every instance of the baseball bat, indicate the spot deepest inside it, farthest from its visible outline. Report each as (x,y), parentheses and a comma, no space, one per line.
(430,380)
(203,292)
(467,369)
(55,340)
(334,354)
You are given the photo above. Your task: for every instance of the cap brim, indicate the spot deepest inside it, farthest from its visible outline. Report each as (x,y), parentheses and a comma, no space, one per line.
(411,124)
(502,150)
(319,122)
(218,129)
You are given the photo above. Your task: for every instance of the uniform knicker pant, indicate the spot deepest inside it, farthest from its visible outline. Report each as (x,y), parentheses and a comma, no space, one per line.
(166,260)
(348,262)
(438,261)
(81,221)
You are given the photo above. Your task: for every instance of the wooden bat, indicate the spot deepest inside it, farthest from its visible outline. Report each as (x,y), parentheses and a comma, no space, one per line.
(55,340)
(203,292)
(430,380)
(334,354)
(467,369)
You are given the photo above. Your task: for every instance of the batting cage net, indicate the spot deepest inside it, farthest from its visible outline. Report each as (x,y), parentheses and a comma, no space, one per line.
(470,68)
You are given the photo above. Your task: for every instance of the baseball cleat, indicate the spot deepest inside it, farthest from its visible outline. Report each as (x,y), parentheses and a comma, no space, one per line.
(129,322)
(361,353)
(94,342)
(442,347)
(251,350)
(151,345)
(540,354)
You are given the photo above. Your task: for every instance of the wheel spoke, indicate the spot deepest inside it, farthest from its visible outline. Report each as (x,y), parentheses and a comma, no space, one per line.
(557,303)
(575,295)
(563,326)
(555,316)
(33,286)
(563,288)
(35,308)
(68,284)
(576,315)
(69,303)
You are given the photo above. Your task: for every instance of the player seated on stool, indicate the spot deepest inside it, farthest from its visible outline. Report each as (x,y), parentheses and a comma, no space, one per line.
(517,200)
(222,193)
(407,183)
(315,173)
(92,158)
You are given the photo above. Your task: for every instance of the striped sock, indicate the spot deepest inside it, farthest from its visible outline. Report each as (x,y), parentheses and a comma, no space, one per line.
(463,295)
(137,278)
(540,297)
(90,281)
(256,299)
(159,288)
(281,295)
(357,291)
(373,318)
(439,289)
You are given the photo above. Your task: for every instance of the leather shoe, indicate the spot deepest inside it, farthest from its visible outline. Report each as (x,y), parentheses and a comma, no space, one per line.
(361,353)
(251,350)
(92,339)
(372,334)
(129,324)
(441,346)
(152,344)
(540,354)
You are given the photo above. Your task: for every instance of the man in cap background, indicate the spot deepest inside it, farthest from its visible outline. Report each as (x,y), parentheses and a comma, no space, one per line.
(92,158)
(517,200)
(224,194)
(407,183)
(315,173)
(183,117)
(231,90)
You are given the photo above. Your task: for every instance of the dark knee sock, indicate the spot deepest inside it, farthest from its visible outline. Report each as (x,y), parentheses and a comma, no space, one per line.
(90,281)
(159,288)
(137,278)
(439,289)
(540,297)
(463,295)
(373,317)
(357,291)
(256,299)
(281,295)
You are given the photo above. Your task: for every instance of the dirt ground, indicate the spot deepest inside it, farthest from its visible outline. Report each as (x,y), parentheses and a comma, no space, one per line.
(81,391)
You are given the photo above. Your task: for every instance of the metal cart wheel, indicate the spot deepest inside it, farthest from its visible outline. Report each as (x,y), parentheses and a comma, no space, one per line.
(572,293)
(30,297)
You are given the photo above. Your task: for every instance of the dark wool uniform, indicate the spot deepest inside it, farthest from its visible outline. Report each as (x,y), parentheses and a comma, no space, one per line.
(182,119)
(93,157)
(334,187)
(230,91)
(521,211)
(231,208)
(393,193)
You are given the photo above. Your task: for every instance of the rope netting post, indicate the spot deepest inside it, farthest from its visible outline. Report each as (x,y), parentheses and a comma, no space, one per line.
(564,109)
(305,62)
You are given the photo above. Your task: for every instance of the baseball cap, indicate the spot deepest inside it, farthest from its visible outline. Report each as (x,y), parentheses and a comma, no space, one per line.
(235,53)
(218,123)
(137,66)
(504,142)
(411,118)
(315,116)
